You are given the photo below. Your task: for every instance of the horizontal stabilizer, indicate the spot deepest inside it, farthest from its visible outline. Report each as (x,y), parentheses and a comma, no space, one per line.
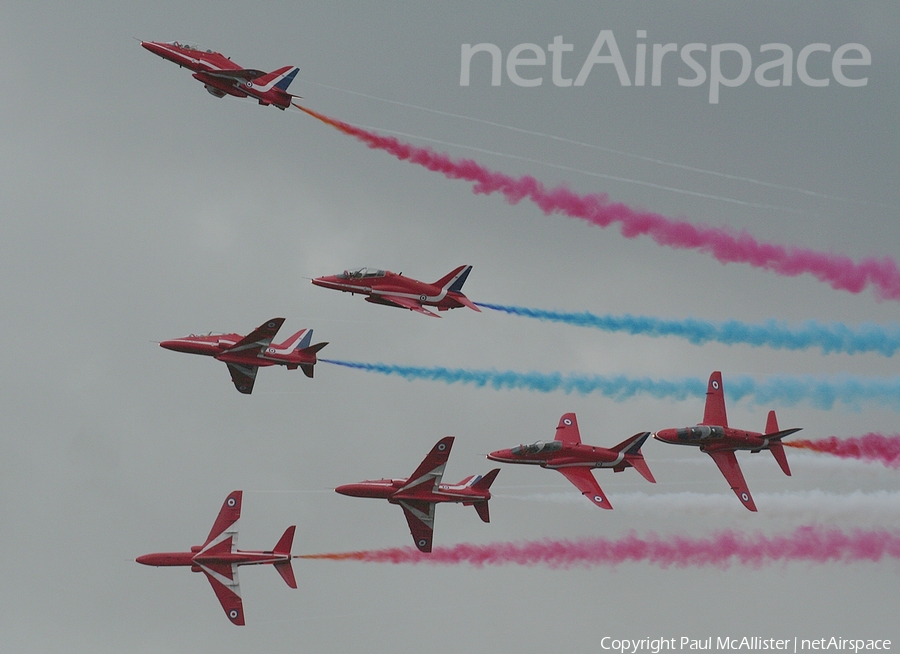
(308,369)
(287,573)
(637,462)
(313,349)
(777,436)
(483,513)
(777,450)
(463,300)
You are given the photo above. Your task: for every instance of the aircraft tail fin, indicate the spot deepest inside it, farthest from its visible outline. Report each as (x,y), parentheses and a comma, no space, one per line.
(305,341)
(631,448)
(454,280)
(296,341)
(283,547)
(484,483)
(775,447)
(280,78)
(632,445)
(771,423)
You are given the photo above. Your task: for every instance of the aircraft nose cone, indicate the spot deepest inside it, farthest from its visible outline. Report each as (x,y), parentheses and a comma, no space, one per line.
(172,345)
(665,435)
(498,455)
(145,559)
(353,490)
(151,46)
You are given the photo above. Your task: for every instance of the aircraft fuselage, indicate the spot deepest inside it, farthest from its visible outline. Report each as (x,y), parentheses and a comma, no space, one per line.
(567,456)
(711,438)
(217,346)
(392,491)
(196,558)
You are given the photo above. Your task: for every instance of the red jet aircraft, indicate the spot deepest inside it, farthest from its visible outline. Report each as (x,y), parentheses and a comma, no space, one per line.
(244,355)
(574,460)
(395,290)
(218,558)
(720,441)
(419,494)
(222,77)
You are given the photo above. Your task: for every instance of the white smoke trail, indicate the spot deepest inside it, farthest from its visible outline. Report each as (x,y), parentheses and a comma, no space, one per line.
(857,507)
(600,148)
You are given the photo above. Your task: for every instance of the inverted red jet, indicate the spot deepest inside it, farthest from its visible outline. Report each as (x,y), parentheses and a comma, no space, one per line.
(575,460)
(419,494)
(720,441)
(244,355)
(222,77)
(218,558)
(395,290)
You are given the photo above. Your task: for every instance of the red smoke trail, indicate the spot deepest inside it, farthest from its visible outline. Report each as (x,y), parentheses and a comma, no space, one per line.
(840,272)
(871,447)
(812,544)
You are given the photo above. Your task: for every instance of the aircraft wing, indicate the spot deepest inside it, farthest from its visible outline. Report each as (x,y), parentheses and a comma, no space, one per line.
(243,377)
(584,481)
(260,338)
(406,303)
(245,74)
(225,528)
(224,581)
(431,470)
(714,411)
(567,430)
(420,518)
(728,464)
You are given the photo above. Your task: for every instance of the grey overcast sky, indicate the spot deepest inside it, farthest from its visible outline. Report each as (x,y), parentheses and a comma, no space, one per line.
(136,207)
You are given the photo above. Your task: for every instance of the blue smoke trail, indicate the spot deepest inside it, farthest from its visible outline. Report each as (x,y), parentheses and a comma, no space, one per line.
(822,393)
(833,337)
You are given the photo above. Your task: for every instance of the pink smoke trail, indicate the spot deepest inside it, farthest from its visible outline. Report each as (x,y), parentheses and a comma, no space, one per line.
(871,447)
(839,271)
(811,543)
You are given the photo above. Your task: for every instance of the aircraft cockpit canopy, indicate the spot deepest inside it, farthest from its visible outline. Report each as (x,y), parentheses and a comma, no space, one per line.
(535,448)
(700,432)
(361,273)
(186,45)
